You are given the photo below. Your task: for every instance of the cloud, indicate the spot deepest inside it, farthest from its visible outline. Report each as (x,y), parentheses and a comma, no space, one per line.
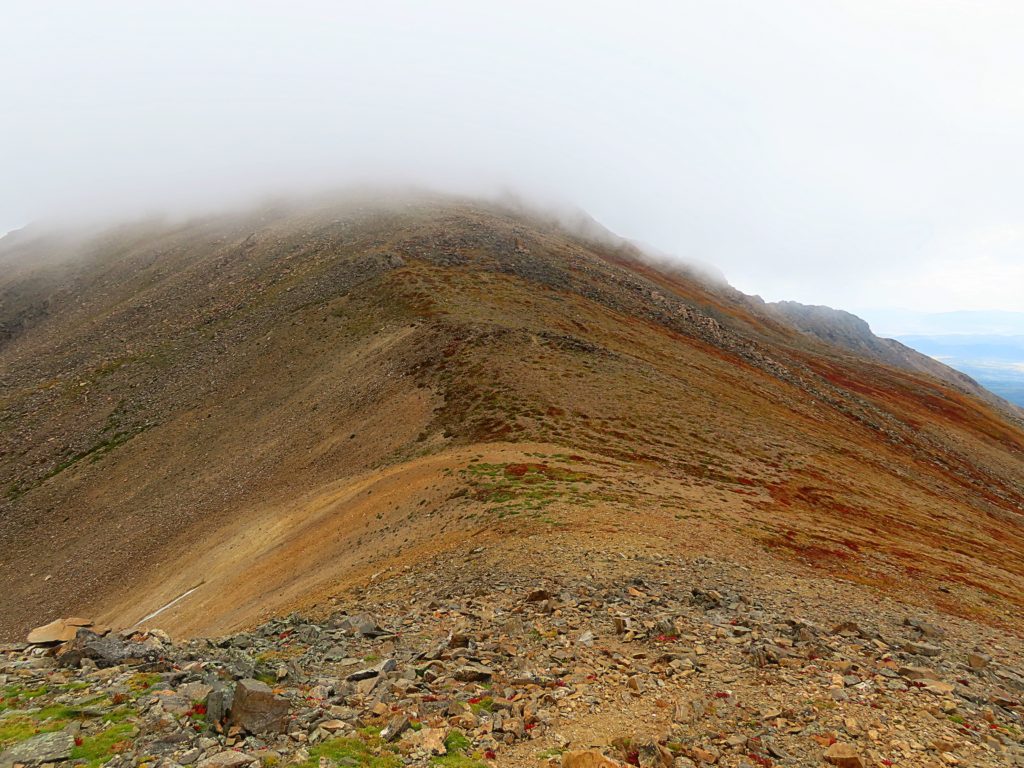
(853,153)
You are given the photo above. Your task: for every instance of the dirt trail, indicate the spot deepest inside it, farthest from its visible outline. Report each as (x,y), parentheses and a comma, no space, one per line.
(269,561)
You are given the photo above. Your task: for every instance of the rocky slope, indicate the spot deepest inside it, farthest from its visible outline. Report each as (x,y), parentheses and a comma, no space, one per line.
(428,409)
(621,659)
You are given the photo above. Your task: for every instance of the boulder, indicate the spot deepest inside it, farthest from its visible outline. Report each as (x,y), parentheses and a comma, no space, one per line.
(44,748)
(918,673)
(922,649)
(430,740)
(978,661)
(106,651)
(398,725)
(473,673)
(197,693)
(926,629)
(362,624)
(173,702)
(335,726)
(688,711)
(58,631)
(256,709)
(650,754)
(228,759)
(388,665)
(218,704)
(843,755)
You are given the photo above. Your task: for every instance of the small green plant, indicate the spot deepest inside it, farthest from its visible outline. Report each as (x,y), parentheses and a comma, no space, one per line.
(17,697)
(456,742)
(113,437)
(527,488)
(267,677)
(57,712)
(457,746)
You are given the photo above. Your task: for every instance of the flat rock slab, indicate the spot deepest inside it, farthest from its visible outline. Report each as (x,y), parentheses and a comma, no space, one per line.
(589,758)
(473,672)
(364,624)
(105,651)
(229,759)
(59,631)
(918,673)
(364,674)
(922,649)
(44,748)
(843,756)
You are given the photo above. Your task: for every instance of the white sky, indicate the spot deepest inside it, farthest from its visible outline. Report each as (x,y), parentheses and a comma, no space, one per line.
(867,153)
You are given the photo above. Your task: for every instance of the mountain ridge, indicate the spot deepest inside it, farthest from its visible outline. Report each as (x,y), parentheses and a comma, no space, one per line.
(845,329)
(248,402)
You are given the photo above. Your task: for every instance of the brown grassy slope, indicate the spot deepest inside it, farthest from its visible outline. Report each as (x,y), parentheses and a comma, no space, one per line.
(270,405)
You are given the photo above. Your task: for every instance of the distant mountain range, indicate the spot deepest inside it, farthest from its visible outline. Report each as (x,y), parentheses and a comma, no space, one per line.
(988,346)
(995,362)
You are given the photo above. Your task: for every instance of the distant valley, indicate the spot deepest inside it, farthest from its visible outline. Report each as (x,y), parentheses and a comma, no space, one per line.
(995,362)
(986,345)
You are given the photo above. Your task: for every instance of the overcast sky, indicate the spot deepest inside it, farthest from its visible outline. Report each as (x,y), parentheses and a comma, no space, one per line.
(859,154)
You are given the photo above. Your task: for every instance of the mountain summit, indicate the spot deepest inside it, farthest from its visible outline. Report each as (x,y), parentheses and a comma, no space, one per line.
(471,420)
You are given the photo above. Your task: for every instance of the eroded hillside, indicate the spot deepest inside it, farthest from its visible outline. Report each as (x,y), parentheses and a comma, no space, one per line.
(261,410)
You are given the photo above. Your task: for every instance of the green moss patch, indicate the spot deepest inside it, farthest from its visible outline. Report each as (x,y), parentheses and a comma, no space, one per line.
(458,745)
(97,749)
(365,752)
(527,488)
(20,727)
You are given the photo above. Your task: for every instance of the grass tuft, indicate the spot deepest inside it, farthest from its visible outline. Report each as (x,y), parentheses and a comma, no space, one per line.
(97,749)
(351,752)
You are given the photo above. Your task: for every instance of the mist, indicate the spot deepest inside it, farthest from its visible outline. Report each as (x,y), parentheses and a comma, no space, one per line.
(859,154)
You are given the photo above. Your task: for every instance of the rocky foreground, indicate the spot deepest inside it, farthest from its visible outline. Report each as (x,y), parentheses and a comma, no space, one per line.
(653,662)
